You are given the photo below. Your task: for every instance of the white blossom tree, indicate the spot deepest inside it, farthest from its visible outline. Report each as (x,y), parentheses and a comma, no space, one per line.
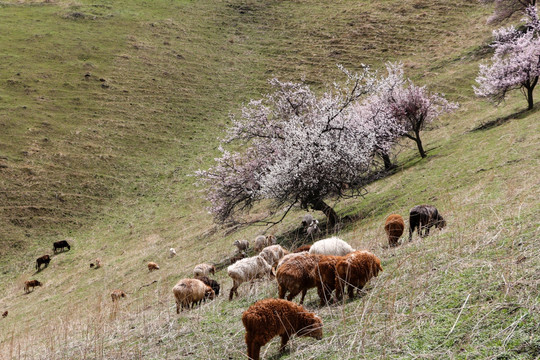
(515,63)
(375,112)
(296,149)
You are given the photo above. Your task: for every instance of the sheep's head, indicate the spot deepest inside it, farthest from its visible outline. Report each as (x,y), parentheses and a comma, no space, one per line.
(38,283)
(441,223)
(209,293)
(271,239)
(313,329)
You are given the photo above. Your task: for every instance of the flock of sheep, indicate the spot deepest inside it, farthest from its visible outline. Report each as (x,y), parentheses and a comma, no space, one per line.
(330,265)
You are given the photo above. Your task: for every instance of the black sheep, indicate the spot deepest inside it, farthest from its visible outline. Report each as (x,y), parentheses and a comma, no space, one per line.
(424,217)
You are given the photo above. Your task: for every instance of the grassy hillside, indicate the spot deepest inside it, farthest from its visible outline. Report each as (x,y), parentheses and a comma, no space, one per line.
(107,107)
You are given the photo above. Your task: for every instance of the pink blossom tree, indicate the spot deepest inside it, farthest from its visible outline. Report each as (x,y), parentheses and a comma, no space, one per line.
(406,109)
(297,148)
(515,63)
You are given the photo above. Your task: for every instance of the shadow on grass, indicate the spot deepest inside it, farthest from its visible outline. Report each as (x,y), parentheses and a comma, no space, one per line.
(502,120)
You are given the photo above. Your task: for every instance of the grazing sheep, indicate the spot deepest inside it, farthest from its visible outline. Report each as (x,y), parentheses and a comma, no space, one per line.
(325,276)
(272,254)
(313,228)
(172,252)
(307,220)
(394,227)
(60,245)
(355,270)
(45,259)
(204,269)
(424,217)
(246,270)
(288,256)
(262,241)
(302,248)
(191,292)
(210,282)
(237,256)
(5,314)
(97,264)
(152,266)
(117,295)
(31,284)
(331,246)
(295,274)
(275,317)
(241,245)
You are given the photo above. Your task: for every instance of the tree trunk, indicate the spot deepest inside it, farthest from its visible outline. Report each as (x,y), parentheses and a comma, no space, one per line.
(530,88)
(387,162)
(330,213)
(419,144)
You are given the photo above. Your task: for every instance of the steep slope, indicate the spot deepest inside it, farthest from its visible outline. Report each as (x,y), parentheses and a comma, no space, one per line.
(106,163)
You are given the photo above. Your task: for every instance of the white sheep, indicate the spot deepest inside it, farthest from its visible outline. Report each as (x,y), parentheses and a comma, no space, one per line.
(246,270)
(172,252)
(307,220)
(272,254)
(190,292)
(331,246)
(242,245)
(262,241)
(204,270)
(313,228)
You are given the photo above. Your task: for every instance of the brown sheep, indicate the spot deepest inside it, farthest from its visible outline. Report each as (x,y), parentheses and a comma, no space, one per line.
(152,266)
(275,317)
(424,217)
(45,259)
(191,292)
(325,275)
(31,284)
(394,227)
(117,295)
(297,274)
(302,248)
(236,257)
(5,314)
(355,270)
(97,264)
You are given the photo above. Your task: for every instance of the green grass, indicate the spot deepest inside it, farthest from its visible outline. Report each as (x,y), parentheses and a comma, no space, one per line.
(104,160)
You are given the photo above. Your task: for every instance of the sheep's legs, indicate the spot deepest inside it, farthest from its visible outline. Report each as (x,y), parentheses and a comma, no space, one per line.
(303,296)
(284,340)
(350,291)
(233,291)
(282,291)
(292,295)
(255,351)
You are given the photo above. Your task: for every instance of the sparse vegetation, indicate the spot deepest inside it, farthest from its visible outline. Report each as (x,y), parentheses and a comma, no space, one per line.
(104,115)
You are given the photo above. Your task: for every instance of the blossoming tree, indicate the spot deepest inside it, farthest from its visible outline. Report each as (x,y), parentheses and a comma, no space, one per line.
(515,63)
(404,109)
(297,148)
